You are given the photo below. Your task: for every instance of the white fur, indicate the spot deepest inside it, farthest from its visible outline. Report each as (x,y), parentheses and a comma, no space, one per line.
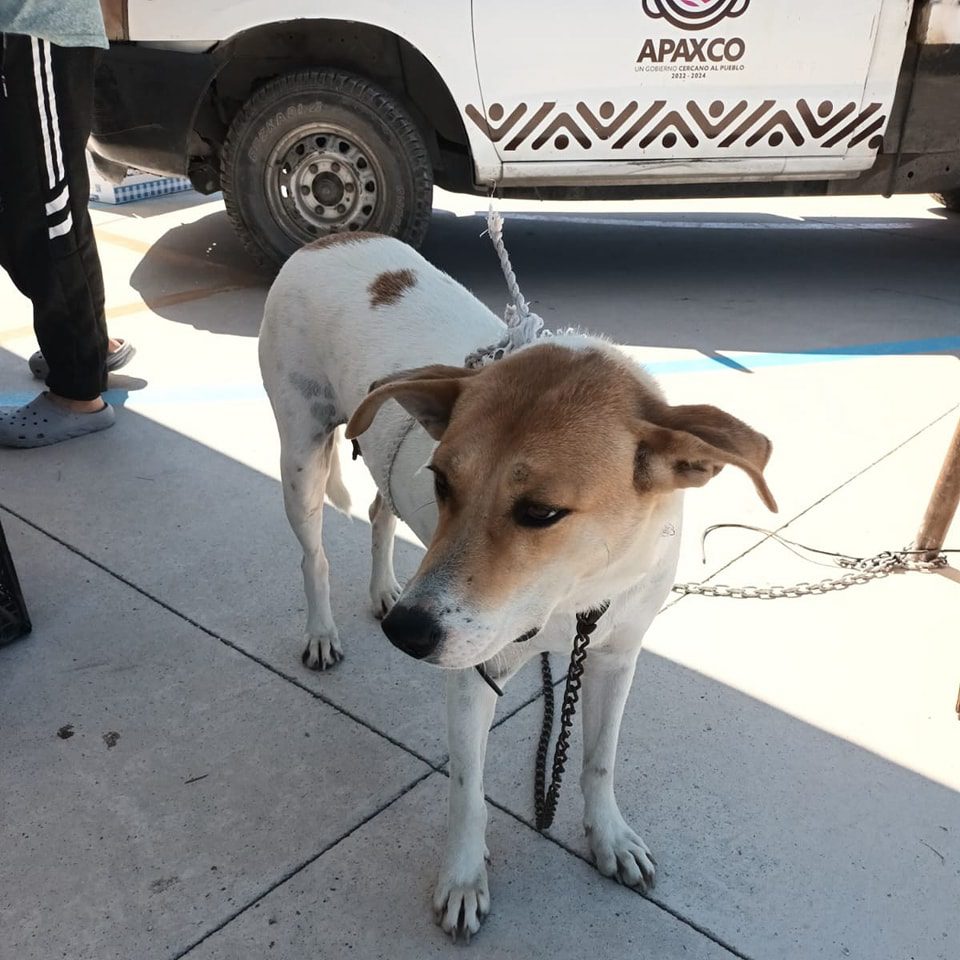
(320,331)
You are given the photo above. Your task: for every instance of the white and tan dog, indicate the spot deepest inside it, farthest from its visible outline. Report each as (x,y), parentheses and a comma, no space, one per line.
(554,482)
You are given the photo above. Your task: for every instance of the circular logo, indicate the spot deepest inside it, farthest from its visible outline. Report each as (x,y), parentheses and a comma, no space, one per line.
(694,14)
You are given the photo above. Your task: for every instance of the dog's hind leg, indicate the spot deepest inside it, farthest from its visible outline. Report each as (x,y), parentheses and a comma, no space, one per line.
(384,589)
(305,465)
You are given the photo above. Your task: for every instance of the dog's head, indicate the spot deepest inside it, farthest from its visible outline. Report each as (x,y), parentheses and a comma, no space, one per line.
(553,471)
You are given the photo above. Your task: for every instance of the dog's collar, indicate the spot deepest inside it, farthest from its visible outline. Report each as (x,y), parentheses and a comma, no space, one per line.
(586,624)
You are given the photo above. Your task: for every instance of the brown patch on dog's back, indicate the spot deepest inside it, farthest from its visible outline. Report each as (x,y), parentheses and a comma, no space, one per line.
(390,286)
(336,239)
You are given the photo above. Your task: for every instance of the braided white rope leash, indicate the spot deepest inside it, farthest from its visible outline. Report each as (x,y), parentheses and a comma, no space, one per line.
(523,325)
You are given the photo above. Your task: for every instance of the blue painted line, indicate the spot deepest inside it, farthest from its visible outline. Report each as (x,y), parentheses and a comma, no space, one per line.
(749,361)
(245,393)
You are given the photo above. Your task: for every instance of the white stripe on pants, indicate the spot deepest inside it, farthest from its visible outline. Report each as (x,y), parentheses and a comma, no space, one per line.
(50,128)
(54,117)
(41,107)
(61,228)
(59,201)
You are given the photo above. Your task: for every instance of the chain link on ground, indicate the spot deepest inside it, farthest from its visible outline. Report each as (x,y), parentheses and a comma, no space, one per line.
(864,570)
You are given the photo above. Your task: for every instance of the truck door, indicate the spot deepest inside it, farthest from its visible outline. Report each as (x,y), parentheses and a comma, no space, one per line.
(687,89)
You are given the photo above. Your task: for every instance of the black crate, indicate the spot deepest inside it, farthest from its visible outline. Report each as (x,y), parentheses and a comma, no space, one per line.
(14,621)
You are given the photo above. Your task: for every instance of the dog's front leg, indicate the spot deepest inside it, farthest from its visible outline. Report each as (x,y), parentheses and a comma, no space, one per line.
(384,589)
(617,850)
(462,898)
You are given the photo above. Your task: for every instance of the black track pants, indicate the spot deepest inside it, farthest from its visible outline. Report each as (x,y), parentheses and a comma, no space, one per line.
(46,238)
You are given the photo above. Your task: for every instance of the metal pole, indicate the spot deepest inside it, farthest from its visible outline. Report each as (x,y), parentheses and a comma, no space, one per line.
(943,502)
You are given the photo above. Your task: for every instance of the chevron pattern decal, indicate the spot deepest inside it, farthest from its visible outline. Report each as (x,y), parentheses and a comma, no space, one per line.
(719,124)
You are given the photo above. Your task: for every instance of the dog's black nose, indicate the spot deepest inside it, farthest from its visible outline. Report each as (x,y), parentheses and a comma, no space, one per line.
(412,630)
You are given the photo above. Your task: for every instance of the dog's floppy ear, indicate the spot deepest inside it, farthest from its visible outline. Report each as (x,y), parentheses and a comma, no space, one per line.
(686,446)
(426,393)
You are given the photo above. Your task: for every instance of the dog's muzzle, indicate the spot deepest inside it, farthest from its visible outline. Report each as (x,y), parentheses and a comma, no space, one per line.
(413,630)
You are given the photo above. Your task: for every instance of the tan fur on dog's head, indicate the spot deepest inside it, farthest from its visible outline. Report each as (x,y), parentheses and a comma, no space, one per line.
(554,470)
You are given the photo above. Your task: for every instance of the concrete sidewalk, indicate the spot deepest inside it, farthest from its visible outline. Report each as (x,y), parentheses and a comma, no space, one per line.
(175,784)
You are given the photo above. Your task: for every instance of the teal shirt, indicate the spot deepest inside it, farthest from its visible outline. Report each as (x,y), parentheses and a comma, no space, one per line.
(67,23)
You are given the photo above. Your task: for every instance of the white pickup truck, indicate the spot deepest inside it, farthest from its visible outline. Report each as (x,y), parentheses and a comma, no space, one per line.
(317,116)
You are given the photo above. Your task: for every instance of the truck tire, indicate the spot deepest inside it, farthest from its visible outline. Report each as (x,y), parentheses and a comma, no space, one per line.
(950,200)
(320,152)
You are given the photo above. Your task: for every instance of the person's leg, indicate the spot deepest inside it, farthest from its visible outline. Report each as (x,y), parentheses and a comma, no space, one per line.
(45,187)
(46,238)
(77,67)
(119,354)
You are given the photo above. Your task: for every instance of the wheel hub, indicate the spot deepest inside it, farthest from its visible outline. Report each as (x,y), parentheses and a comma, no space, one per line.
(321,181)
(328,188)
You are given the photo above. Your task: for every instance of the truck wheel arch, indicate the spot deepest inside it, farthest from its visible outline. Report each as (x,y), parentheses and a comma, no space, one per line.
(258,55)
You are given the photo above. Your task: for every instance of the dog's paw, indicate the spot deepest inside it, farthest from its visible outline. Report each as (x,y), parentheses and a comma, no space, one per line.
(621,854)
(459,904)
(322,651)
(383,596)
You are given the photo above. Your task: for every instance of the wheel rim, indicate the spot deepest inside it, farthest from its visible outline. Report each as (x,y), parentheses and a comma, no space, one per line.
(321,179)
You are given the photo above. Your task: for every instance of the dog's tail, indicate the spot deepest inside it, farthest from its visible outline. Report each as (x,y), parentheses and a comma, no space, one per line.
(336,492)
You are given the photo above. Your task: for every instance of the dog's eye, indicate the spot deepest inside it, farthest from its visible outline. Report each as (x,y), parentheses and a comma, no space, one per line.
(441,485)
(537,514)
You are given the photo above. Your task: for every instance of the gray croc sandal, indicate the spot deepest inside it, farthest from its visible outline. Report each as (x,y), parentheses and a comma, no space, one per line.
(42,422)
(119,358)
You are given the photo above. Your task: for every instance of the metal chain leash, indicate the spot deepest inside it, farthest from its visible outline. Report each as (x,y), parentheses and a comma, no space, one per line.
(863,570)
(545,798)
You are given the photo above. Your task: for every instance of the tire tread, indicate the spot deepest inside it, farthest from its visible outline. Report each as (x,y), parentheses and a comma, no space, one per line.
(350,86)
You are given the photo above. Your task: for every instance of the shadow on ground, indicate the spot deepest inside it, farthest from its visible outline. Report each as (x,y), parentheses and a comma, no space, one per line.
(752,283)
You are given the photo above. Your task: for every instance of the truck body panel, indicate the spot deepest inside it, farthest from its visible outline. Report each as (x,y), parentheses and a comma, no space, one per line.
(622,98)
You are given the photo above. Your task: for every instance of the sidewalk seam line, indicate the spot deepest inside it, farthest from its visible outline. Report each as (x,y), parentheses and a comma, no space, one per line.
(659,904)
(290,874)
(225,641)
